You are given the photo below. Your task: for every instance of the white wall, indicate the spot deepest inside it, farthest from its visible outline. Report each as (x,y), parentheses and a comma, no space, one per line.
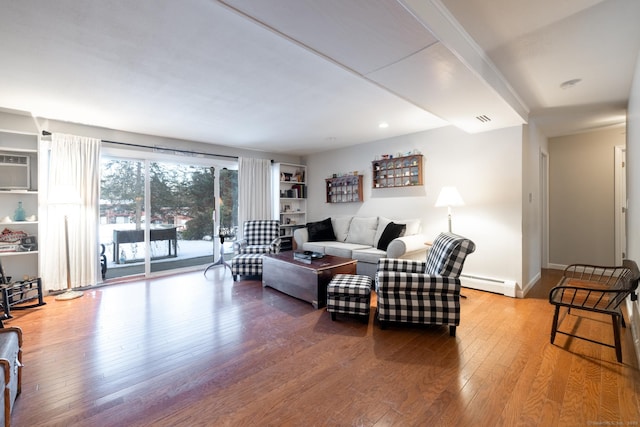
(582,214)
(156,141)
(486,168)
(633,168)
(534,143)
(633,192)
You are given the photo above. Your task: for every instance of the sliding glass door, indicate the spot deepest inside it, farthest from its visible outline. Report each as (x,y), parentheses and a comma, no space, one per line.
(158,216)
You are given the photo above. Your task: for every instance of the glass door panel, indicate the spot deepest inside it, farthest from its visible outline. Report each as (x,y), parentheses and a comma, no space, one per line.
(181,215)
(121,228)
(228,206)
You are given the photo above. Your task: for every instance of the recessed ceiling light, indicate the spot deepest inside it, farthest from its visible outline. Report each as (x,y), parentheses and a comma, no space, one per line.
(383,125)
(569,83)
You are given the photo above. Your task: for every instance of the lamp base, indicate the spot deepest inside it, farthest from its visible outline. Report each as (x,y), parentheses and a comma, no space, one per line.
(69,295)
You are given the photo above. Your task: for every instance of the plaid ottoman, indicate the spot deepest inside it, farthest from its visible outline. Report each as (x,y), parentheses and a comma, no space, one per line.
(246,265)
(349,294)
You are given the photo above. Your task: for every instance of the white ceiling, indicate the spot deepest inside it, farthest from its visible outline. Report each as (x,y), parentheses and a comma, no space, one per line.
(301,76)
(537,45)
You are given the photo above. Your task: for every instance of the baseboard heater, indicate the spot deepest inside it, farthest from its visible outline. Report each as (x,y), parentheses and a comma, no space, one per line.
(505,287)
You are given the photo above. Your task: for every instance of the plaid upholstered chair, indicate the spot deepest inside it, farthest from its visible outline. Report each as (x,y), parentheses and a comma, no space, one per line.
(260,236)
(425,292)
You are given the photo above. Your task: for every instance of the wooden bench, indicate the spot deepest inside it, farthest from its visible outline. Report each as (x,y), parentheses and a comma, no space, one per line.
(597,289)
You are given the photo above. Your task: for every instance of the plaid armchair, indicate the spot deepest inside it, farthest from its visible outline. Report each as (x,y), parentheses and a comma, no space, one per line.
(259,237)
(426,292)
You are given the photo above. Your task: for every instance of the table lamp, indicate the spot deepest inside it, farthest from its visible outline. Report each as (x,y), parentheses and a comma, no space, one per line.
(449,197)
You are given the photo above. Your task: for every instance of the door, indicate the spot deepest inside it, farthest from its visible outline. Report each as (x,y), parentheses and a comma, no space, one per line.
(158,215)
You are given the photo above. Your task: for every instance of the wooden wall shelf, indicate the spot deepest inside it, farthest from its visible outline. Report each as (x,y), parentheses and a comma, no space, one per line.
(344,189)
(397,172)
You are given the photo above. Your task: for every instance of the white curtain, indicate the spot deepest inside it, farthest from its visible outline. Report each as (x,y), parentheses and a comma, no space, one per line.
(72,190)
(255,199)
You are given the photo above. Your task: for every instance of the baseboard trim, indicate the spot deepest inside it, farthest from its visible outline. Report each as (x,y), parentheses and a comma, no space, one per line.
(504,287)
(522,293)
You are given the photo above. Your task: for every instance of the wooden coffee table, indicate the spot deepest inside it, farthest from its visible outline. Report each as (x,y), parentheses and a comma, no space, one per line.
(307,282)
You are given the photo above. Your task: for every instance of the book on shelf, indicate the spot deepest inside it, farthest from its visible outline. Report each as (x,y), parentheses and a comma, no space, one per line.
(297,191)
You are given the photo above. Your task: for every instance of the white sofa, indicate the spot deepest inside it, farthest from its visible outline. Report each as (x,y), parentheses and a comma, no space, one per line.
(357,238)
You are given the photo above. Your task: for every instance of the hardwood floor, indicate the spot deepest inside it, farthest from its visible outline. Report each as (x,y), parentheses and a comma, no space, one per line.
(193,351)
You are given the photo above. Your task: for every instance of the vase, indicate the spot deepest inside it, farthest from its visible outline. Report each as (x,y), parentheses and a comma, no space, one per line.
(19,213)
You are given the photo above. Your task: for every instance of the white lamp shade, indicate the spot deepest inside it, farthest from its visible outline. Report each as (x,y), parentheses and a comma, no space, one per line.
(448,197)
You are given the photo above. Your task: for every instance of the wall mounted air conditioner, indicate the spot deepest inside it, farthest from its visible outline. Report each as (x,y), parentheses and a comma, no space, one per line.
(14,172)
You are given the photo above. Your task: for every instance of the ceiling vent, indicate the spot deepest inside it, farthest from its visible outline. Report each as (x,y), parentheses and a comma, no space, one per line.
(483,118)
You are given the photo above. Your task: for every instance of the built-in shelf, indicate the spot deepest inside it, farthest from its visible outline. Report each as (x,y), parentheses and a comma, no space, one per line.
(19,186)
(291,200)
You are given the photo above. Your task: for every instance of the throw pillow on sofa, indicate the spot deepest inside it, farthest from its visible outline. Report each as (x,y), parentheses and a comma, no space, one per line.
(321,231)
(413,226)
(391,231)
(382,225)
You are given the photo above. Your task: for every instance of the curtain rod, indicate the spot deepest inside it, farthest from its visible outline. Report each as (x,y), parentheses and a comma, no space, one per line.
(128,144)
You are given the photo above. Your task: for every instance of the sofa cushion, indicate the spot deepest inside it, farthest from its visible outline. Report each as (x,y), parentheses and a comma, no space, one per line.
(321,231)
(333,248)
(344,250)
(314,246)
(391,231)
(362,230)
(369,255)
(341,227)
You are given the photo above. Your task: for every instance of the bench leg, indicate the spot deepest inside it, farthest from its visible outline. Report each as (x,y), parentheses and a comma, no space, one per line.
(554,325)
(615,319)
(452,330)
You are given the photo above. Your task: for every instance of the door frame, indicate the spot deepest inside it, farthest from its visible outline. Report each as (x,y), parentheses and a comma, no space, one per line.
(620,203)
(146,158)
(544,208)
